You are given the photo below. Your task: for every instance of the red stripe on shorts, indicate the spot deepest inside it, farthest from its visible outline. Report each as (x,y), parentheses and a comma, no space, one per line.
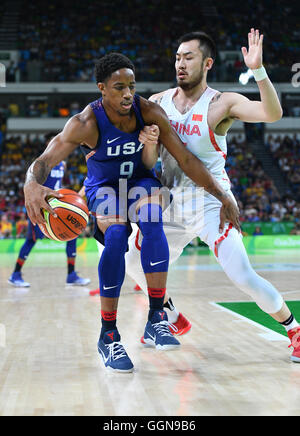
(137,240)
(221,239)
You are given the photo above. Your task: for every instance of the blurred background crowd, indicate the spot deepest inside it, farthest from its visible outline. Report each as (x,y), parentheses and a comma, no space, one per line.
(57,46)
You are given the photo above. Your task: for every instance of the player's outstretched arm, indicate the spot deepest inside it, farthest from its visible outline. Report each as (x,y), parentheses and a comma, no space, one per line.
(75,132)
(267,110)
(190,164)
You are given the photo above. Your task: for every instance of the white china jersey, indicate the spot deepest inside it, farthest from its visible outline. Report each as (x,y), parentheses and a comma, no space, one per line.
(193,130)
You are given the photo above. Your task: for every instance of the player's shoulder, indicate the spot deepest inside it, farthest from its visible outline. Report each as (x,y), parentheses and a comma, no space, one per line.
(82,126)
(157,98)
(84,118)
(226,98)
(151,111)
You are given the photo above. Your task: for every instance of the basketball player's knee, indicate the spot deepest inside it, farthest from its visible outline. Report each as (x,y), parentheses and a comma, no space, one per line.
(115,238)
(261,291)
(150,220)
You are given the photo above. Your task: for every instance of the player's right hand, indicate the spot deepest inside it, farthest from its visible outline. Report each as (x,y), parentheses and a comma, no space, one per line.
(149,135)
(36,196)
(229,213)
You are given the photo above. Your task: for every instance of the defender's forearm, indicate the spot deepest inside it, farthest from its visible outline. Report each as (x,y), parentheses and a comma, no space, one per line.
(269,99)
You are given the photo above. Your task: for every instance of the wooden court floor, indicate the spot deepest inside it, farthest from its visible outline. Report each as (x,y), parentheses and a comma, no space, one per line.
(49,364)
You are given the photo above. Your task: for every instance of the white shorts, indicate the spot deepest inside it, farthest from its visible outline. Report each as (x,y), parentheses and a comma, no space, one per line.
(192,213)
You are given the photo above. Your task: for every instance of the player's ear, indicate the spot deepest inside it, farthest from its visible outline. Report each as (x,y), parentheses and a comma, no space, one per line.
(101,87)
(208,63)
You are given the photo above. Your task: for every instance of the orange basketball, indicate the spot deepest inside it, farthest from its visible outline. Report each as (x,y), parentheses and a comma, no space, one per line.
(72,216)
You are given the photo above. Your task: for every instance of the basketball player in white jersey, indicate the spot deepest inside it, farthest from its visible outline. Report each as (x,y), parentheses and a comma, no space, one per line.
(202,116)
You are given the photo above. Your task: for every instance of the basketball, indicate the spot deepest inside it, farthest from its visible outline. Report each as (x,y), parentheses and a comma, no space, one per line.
(72,216)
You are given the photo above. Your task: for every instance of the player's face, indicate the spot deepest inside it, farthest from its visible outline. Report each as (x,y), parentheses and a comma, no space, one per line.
(118,91)
(189,64)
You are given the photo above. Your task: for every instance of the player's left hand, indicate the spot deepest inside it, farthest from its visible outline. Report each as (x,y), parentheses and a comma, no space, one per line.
(229,213)
(253,56)
(149,135)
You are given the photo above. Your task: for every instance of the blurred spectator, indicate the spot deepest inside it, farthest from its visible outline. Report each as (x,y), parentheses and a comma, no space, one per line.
(296,229)
(6,227)
(257,231)
(11,72)
(21,226)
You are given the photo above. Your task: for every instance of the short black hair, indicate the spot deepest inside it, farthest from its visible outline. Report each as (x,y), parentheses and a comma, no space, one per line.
(206,43)
(110,63)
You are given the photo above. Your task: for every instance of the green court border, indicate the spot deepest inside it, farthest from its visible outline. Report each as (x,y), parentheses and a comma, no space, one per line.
(252,312)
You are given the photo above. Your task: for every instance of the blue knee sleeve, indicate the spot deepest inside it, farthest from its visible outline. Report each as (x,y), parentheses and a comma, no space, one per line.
(26,248)
(71,248)
(154,248)
(111,268)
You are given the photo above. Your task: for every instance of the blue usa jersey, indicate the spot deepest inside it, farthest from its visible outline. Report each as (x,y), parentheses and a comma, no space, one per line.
(54,180)
(117,154)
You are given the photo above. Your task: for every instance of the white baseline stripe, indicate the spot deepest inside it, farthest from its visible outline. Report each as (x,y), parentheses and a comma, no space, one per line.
(269,334)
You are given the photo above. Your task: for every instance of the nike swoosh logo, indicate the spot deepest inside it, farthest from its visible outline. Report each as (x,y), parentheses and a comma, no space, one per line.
(156,263)
(109,287)
(103,355)
(109,141)
(152,337)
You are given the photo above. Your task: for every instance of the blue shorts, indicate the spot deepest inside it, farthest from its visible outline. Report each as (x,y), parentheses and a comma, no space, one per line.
(120,201)
(34,232)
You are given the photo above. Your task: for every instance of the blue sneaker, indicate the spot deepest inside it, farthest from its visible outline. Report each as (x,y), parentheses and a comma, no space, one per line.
(113,353)
(157,333)
(17,280)
(74,280)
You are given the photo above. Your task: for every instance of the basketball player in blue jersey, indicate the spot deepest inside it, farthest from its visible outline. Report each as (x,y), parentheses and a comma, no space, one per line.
(54,181)
(120,187)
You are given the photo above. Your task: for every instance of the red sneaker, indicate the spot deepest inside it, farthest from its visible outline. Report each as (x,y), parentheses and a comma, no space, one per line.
(294,336)
(95,292)
(180,327)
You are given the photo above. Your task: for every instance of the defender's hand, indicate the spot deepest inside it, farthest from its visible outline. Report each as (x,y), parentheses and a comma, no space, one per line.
(253,57)
(229,213)
(36,199)
(149,135)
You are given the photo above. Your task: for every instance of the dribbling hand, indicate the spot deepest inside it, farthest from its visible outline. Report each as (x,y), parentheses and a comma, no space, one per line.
(36,199)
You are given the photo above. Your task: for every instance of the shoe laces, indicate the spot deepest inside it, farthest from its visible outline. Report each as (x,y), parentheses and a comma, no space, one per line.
(295,340)
(116,350)
(173,327)
(162,328)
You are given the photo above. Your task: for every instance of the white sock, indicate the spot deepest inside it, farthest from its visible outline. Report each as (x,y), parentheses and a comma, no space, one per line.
(171,310)
(290,323)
